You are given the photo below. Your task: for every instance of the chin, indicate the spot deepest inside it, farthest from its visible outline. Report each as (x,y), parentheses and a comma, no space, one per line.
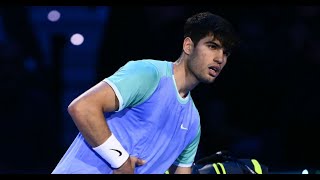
(208,80)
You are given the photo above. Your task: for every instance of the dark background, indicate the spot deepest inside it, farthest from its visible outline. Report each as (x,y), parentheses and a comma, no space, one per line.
(264,105)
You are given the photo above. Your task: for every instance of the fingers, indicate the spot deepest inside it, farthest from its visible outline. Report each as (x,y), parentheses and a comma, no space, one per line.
(140,162)
(136,161)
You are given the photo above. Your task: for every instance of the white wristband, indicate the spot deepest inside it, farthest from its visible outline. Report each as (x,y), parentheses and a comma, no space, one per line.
(112,151)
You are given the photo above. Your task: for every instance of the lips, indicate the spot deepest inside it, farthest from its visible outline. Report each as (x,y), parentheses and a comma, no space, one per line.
(214,70)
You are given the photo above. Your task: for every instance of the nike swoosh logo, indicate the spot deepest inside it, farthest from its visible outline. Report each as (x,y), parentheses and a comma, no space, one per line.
(184,128)
(120,153)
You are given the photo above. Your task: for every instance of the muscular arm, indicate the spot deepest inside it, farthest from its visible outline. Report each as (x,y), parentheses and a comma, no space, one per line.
(87,112)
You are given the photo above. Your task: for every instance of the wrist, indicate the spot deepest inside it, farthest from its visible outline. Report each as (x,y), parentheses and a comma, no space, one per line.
(113,152)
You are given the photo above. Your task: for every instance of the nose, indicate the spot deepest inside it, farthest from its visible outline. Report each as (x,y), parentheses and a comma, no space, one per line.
(219,56)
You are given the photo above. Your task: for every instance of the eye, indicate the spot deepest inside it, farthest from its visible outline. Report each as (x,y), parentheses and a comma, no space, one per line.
(214,46)
(226,53)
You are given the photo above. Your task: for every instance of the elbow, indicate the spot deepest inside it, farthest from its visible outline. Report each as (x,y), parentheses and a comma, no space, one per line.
(75,108)
(80,108)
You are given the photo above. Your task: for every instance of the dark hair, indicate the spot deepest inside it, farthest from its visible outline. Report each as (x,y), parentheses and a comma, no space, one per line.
(203,24)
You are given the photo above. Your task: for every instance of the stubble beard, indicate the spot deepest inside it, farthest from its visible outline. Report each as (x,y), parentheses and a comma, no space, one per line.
(199,74)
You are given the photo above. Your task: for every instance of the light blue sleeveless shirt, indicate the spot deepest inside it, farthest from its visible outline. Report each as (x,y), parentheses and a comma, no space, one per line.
(153,122)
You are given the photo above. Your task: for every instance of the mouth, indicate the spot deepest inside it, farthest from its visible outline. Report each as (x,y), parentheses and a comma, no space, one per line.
(214,70)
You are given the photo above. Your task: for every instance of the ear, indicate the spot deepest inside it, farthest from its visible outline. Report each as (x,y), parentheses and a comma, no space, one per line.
(187,45)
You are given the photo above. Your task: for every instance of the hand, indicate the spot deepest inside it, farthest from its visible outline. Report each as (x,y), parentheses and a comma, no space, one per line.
(129,166)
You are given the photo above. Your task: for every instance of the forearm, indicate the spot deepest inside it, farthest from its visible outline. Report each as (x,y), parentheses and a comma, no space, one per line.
(179,170)
(87,112)
(91,123)
(183,170)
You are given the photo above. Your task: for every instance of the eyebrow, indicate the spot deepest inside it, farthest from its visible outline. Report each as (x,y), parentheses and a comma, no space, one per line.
(212,42)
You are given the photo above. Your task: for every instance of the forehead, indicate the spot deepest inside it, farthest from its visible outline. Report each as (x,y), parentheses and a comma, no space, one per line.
(210,39)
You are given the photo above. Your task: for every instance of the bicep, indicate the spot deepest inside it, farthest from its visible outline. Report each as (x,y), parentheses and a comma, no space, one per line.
(101,95)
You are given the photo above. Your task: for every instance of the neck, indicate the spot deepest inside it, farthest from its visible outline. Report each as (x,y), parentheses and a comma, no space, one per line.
(185,80)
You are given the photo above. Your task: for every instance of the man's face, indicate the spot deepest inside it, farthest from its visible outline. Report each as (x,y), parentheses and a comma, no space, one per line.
(207,59)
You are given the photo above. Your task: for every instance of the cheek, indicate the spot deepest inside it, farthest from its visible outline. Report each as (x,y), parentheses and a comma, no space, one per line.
(224,62)
(203,57)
